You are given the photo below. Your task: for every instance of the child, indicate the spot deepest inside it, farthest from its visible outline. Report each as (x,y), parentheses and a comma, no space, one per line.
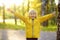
(32,23)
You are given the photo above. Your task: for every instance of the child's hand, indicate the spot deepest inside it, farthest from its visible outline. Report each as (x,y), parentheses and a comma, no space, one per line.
(10,10)
(54,13)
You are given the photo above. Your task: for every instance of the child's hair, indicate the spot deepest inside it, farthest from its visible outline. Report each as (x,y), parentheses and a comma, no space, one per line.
(32,11)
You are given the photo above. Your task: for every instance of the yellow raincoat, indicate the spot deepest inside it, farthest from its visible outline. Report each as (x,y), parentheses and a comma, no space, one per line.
(37,26)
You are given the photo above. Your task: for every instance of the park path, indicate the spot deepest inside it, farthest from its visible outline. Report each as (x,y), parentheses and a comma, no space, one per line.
(20,35)
(16,35)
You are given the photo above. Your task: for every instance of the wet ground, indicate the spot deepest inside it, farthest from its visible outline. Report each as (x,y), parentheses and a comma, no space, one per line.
(20,35)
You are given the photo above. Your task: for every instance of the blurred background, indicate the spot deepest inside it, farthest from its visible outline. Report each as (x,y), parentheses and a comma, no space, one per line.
(43,7)
(12,28)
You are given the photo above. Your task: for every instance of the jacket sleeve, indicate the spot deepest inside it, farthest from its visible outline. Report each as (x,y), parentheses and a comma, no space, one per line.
(18,15)
(46,17)
(23,18)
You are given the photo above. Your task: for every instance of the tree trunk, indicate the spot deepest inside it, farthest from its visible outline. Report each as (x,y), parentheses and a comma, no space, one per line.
(45,11)
(58,23)
(3,13)
(28,5)
(53,5)
(14,15)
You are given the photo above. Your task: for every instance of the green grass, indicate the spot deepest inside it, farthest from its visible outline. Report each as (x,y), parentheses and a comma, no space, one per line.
(18,27)
(50,28)
(10,26)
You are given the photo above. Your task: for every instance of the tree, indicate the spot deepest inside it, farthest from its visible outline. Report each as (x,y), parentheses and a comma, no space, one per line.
(53,5)
(58,22)
(45,10)
(14,15)
(3,13)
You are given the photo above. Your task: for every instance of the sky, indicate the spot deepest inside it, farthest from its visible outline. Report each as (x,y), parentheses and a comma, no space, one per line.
(17,2)
(56,1)
(9,2)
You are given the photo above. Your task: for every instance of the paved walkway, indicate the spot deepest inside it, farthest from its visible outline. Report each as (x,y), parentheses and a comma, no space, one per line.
(20,35)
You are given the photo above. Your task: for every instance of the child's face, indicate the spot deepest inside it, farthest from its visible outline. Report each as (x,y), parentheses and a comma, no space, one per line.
(32,15)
